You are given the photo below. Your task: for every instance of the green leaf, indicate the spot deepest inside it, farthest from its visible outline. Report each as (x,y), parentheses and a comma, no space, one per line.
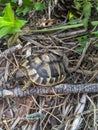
(22,10)
(8,13)
(4,23)
(8,24)
(4,31)
(86,12)
(4,1)
(39,6)
(77,4)
(82,40)
(28,3)
(36,115)
(95,33)
(19,23)
(96,1)
(15,1)
(13,30)
(80,48)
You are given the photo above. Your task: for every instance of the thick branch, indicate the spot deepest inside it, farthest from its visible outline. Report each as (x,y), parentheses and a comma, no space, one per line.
(60,89)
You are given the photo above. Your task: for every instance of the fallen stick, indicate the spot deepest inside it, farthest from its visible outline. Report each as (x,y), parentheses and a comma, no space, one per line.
(10,50)
(59,89)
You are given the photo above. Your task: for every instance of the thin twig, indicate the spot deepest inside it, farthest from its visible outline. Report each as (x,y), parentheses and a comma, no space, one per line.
(83,54)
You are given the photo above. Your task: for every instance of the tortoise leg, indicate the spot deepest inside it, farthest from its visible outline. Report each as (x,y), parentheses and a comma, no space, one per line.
(27,85)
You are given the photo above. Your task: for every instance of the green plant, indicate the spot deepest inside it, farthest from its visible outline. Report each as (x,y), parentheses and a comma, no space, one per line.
(38,6)
(86,12)
(82,40)
(21,10)
(86,7)
(8,23)
(28,6)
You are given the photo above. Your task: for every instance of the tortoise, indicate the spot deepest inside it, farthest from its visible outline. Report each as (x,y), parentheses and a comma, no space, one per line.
(44,69)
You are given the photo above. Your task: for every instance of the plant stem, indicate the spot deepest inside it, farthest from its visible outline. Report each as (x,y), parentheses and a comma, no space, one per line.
(93,23)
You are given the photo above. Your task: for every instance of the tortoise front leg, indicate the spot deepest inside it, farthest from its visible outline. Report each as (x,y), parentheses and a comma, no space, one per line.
(27,85)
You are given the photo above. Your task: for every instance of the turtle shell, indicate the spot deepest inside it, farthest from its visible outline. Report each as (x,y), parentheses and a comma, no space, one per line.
(46,69)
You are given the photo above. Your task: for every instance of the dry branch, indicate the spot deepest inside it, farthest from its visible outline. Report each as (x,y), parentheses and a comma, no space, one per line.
(10,50)
(59,89)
